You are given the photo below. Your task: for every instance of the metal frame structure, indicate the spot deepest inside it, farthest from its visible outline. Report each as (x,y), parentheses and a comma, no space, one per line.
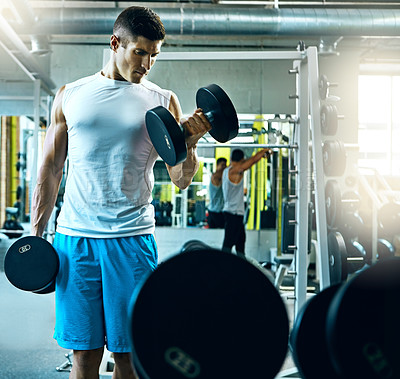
(307,137)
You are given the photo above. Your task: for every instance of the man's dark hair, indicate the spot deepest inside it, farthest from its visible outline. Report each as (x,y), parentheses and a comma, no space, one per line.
(221,160)
(237,155)
(138,21)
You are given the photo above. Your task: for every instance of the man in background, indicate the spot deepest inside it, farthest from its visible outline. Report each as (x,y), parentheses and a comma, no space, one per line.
(215,217)
(233,190)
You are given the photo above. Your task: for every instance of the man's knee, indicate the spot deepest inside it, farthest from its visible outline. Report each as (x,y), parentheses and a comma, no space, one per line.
(122,358)
(88,360)
(124,366)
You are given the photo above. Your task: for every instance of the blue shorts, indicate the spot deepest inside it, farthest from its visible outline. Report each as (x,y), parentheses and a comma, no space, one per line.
(94,287)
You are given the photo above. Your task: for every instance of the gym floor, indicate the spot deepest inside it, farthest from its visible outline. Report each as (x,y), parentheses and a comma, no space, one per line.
(27,347)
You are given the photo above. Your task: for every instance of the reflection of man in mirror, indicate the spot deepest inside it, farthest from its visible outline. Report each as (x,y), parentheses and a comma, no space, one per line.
(215,217)
(233,190)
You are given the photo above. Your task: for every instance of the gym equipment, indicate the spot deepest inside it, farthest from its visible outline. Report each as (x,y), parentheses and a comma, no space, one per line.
(352,226)
(337,257)
(384,243)
(385,249)
(323,86)
(334,158)
(308,342)
(31,264)
(356,256)
(66,366)
(351,330)
(338,207)
(194,245)
(287,227)
(344,258)
(363,323)
(389,218)
(333,199)
(329,119)
(194,317)
(352,200)
(12,227)
(168,137)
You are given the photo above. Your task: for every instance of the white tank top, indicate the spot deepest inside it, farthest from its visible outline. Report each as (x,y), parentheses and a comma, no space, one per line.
(233,194)
(111,158)
(216,198)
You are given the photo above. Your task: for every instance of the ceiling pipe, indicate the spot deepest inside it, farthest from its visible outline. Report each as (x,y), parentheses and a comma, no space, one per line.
(39,43)
(15,47)
(220,21)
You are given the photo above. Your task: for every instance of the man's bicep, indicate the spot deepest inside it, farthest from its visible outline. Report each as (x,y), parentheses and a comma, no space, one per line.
(245,165)
(56,140)
(175,107)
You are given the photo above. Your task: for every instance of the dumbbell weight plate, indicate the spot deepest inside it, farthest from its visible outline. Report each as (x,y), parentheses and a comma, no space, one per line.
(49,289)
(333,199)
(194,245)
(166,135)
(329,119)
(356,256)
(351,201)
(196,316)
(334,157)
(385,249)
(307,339)
(352,226)
(337,253)
(363,323)
(31,264)
(323,86)
(389,219)
(213,100)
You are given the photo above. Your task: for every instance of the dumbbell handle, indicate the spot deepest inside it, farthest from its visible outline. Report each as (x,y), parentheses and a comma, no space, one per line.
(355,259)
(350,201)
(332,84)
(210,116)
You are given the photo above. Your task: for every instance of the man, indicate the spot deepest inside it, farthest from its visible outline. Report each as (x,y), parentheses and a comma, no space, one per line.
(233,189)
(105,228)
(215,217)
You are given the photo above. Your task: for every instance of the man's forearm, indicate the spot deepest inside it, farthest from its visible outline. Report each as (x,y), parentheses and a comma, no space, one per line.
(182,174)
(43,200)
(190,165)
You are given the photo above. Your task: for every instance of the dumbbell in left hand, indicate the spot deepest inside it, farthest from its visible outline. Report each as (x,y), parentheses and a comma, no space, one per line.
(168,136)
(31,264)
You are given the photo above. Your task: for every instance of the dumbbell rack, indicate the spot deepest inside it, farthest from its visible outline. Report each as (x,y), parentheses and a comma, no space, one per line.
(308,139)
(378,199)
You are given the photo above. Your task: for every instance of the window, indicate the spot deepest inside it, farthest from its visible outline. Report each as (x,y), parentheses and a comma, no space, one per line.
(379,123)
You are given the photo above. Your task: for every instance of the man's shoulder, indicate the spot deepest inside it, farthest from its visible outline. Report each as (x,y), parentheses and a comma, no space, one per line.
(150,86)
(81,81)
(233,171)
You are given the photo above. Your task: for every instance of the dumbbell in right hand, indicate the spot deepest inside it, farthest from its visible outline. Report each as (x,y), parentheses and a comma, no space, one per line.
(168,136)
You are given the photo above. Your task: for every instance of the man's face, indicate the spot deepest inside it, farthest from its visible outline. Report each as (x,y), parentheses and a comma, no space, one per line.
(134,61)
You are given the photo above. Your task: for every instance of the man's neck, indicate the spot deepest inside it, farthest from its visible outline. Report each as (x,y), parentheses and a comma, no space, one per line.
(109,71)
